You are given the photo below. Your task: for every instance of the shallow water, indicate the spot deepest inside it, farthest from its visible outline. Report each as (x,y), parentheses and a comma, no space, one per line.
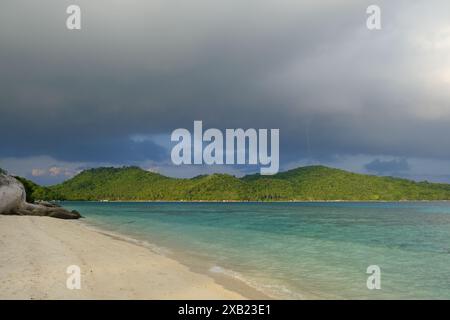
(299,250)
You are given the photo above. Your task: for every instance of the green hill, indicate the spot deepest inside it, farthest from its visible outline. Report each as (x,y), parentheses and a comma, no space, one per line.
(37,192)
(305,183)
(34,191)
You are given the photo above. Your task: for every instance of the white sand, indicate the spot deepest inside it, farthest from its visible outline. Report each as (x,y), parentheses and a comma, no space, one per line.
(35,252)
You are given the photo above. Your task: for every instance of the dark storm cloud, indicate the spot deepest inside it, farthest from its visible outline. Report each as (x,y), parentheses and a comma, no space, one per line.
(114,150)
(310,68)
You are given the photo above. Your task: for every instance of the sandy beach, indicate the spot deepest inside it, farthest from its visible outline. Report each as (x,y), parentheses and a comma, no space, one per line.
(36,251)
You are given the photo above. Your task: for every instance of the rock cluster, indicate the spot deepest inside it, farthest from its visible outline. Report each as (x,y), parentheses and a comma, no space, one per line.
(13,202)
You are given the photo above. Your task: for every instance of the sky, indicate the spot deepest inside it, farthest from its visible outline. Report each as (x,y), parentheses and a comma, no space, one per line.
(110,94)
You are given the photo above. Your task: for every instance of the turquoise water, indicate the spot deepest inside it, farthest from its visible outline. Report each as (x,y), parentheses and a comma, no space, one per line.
(298,250)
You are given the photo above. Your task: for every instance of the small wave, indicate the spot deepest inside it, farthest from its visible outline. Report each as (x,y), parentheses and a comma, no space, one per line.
(143,243)
(272,290)
(216,269)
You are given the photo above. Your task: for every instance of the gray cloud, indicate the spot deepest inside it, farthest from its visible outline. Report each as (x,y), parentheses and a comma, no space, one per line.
(310,68)
(388,166)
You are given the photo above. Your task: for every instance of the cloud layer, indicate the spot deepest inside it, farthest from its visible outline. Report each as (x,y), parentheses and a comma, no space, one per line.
(145,68)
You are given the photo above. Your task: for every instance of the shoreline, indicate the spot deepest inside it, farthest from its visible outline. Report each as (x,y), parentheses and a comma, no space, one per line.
(36,252)
(195,265)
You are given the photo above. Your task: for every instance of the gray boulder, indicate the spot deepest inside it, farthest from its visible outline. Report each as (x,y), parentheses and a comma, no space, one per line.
(47,204)
(13,202)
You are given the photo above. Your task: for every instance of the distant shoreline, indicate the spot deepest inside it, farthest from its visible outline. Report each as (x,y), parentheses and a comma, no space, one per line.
(303,184)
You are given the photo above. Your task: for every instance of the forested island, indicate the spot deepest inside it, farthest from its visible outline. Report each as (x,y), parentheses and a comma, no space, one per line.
(310,183)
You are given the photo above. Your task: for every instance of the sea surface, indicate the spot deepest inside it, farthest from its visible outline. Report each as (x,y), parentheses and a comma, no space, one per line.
(297,250)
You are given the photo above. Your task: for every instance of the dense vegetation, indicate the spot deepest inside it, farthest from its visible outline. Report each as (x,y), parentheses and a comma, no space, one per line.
(36,192)
(305,183)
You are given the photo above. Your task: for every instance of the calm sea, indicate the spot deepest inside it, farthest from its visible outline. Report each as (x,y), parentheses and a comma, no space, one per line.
(298,250)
